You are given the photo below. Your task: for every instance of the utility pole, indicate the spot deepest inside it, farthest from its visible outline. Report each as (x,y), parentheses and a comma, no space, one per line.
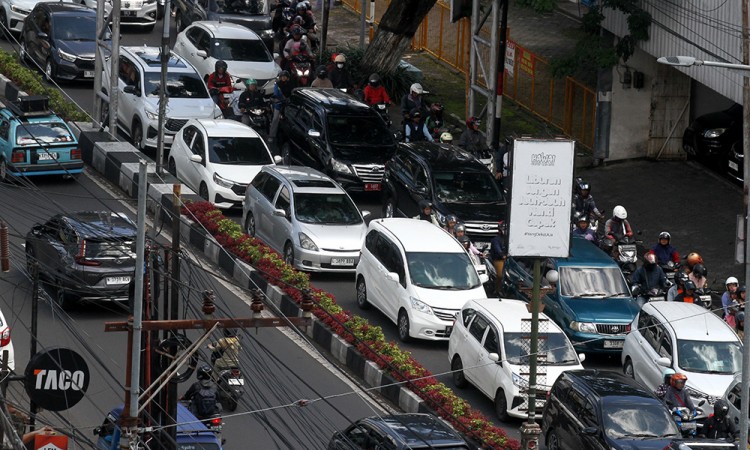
(494,143)
(362,24)
(324,28)
(34,331)
(171,404)
(163,90)
(744,399)
(104,52)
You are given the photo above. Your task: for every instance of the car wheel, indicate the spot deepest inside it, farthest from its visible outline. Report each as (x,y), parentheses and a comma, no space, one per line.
(23,55)
(203,192)
(403,326)
(362,294)
(137,135)
(628,368)
(552,440)
(286,154)
(501,406)
(250,224)
(457,368)
(49,71)
(172,167)
(289,254)
(389,208)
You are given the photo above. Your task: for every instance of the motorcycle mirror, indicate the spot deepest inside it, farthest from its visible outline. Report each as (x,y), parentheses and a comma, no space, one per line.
(582,357)
(366,214)
(313,133)
(277,159)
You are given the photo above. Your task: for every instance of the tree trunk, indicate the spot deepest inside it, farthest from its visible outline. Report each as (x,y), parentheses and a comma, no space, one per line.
(394,34)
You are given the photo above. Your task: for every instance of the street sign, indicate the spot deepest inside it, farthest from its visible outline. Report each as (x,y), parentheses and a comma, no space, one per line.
(56,379)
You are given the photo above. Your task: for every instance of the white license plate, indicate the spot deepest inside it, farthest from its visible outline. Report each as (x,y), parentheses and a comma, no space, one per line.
(614,344)
(88,73)
(44,156)
(733,165)
(688,426)
(342,261)
(118,280)
(236,382)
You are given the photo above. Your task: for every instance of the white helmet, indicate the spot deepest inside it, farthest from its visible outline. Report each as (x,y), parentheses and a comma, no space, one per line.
(416,88)
(731,280)
(620,212)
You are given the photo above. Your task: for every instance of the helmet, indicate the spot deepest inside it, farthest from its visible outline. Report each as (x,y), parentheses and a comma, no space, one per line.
(322,72)
(700,270)
(446,138)
(459,228)
(203,372)
(374,80)
(436,108)
(340,58)
(582,185)
(301,7)
(424,204)
(296,29)
(721,409)
(238,86)
(731,280)
(678,380)
(416,88)
(649,258)
(740,316)
(620,212)
(251,82)
(693,259)
(681,277)
(298,20)
(740,289)
(473,122)
(665,235)
(307,5)
(451,218)
(220,65)
(689,285)
(284,73)
(464,240)
(666,374)
(415,113)
(583,218)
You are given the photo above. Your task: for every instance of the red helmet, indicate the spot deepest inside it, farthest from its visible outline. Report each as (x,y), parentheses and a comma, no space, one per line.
(678,380)
(693,259)
(473,122)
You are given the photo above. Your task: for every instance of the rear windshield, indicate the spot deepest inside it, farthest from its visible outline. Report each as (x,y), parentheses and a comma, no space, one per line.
(110,249)
(43,132)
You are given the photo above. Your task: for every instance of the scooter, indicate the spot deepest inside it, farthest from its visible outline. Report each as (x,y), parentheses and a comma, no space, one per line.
(625,253)
(703,297)
(382,110)
(259,118)
(299,67)
(685,420)
(670,270)
(231,386)
(652,295)
(223,96)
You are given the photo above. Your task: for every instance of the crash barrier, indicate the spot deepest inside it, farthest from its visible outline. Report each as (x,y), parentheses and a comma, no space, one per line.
(563,102)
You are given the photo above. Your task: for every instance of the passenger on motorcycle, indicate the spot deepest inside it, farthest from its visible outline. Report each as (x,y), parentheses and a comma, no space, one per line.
(650,276)
(472,139)
(434,120)
(450,223)
(741,325)
(218,79)
(239,89)
(413,101)
(374,92)
(466,242)
(498,255)
(664,250)
(688,293)
(460,230)
(296,38)
(321,79)
(339,74)
(583,201)
(677,396)
(726,298)
(225,353)
(250,98)
(416,130)
(425,213)
(281,92)
(718,425)
(679,286)
(202,394)
(582,229)
(692,259)
(618,226)
(698,276)
(661,390)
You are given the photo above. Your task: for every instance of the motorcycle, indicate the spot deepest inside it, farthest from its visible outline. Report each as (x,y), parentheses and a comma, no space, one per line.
(230,385)
(703,298)
(382,110)
(670,270)
(685,420)
(223,98)
(260,118)
(652,295)
(299,67)
(624,252)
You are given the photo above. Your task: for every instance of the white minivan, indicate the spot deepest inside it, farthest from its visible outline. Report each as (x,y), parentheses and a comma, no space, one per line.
(416,274)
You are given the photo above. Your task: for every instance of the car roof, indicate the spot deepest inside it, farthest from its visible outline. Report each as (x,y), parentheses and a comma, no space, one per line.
(187,423)
(224,127)
(93,224)
(509,313)
(416,430)
(443,157)
(584,253)
(692,322)
(149,58)
(333,100)
(605,383)
(307,180)
(419,235)
(60,7)
(228,30)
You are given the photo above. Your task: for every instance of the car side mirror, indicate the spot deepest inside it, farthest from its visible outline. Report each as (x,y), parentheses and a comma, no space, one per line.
(483,278)
(366,214)
(313,133)
(277,159)
(582,357)
(279,212)
(36,232)
(202,53)
(97,430)
(635,290)
(664,361)
(420,188)
(393,276)
(196,158)
(494,357)
(702,402)
(590,431)
(130,89)
(399,136)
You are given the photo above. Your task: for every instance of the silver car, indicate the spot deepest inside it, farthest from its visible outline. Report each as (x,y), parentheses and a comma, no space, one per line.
(306,216)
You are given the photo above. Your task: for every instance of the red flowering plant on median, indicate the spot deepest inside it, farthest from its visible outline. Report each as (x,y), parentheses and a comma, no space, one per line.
(368,339)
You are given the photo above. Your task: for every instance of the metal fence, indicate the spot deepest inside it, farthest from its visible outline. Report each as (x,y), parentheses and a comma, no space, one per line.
(565,103)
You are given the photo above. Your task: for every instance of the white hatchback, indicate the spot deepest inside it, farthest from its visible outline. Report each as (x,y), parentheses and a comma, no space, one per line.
(487,348)
(218,159)
(691,340)
(418,275)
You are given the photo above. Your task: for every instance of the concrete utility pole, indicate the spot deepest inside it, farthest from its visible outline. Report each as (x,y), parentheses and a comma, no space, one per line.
(362,25)
(103,51)
(499,80)
(744,405)
(163,90)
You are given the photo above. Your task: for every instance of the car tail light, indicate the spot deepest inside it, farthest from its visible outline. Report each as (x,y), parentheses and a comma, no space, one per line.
(5,337)
(18,156)
(75,153)
(81,256)
(216,421)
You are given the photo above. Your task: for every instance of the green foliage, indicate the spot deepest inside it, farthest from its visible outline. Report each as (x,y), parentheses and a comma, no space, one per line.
(540,6)
(30,81)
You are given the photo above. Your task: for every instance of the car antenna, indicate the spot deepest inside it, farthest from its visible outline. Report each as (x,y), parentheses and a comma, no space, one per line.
(705,321)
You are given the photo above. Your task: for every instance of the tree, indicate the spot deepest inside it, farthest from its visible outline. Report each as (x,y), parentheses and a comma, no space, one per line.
(394,34)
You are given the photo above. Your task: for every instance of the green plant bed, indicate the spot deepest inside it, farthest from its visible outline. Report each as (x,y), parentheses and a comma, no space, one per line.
(368,339)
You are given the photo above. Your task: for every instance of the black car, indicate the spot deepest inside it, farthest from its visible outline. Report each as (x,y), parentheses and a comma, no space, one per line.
(452,179)
(701,444)
(61,39)
(593,409)
(711,136)
(396,432)
(333,132)
(253,14)
(84,255)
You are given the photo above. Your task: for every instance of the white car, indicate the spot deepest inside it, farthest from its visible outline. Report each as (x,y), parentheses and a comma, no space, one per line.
(13,13)
(218,159)
(691,340)
(205,43)
(487,349)
(6,343)
(138,99)
(140,13)
(418,275)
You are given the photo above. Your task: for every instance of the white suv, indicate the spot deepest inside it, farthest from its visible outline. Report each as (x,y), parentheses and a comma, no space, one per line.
(416,274)
(487,349)
(138,98)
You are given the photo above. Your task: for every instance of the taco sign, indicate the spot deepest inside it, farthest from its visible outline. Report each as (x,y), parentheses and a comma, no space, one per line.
(56,379)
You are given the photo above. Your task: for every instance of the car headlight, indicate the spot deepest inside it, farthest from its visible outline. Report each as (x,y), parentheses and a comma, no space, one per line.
(340,167)
(714,133)
(519,381)
(152,115)
(307,243)
(420,306)
(583,327)
(223,182)
(19,10)
(66,56)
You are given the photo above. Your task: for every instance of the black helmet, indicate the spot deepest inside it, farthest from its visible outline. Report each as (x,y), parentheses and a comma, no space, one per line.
(301,7)
(582,185)
(203,372)
(220,65)
(322,72)
(464,240)
(721,409)
(689,285)
(460,227)
(665,235)
(284,73)
(582,218)
(374,80)
(424,204)
(700,270)
(681,277)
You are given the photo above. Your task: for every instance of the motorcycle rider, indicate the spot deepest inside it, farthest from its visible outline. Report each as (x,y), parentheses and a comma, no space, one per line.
(425,213)
(498,255)
(416,130)
(282,90)
(718,425)
(582,229)
(666,376)
(665,252)
(679,286)
(218,79)
(692,259)
(296,38)
(583,201)
(225,353)
(339,74)
(676,395)
(618,226)
(434,121)
(413,101)
(472,139)
(649,276)
(726,298)
(250,98)
(202,395)
(688,293)
(374,92)
(460,230)
(450,223)
(321,80)
(698,276)
(466,242)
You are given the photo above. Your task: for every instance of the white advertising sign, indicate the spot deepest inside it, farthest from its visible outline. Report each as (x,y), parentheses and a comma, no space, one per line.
(541,198)
(510,58)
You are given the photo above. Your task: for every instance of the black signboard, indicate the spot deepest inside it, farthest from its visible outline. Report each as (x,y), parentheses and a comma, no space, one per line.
(56,379)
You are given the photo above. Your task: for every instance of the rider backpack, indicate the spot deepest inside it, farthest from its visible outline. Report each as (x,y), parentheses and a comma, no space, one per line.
(204,402)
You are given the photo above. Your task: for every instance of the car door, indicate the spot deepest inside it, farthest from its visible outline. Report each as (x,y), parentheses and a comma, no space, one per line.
(264,218)
(579,414)
(646,339)
(180,151)
(655,343)
(45,244)
(128,103)
(473,351)
(281,232)
(419,190)
(378,269)
(195,172)
(186,45)
(394,292)
(301,123)
(369,266)
(41,29)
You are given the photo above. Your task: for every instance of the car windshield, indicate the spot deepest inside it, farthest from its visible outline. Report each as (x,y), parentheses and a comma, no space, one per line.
(450,271)
(558,348)
(466,187)
(623,419)
(43,133)
(239,50)
(251,7)
(709,357)
(592,282)
(179,85)
(76,28)
(326,209)
(238,150)
(358,130)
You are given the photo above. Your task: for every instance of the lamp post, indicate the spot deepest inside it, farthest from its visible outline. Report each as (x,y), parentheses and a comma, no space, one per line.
(688,61)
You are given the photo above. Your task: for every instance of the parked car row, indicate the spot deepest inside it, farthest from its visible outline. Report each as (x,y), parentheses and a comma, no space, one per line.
(716,139)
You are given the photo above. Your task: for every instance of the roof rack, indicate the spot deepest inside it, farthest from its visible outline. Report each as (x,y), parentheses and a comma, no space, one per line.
(30,106)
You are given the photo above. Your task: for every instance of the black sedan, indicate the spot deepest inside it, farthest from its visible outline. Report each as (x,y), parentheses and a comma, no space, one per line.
(711,136)
(84,255)
(60,38)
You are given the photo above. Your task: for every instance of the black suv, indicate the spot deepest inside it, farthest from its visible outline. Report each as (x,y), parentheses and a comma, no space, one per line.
(593,409)
(452,179)
(331,131)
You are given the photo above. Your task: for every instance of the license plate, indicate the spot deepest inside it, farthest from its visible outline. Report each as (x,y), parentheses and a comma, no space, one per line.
(733,165)
(118,280)
(236,382)
(613,344)
(88,73)
(342,261)
(128,13)
(44,156)
(688,426)
(372,186)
